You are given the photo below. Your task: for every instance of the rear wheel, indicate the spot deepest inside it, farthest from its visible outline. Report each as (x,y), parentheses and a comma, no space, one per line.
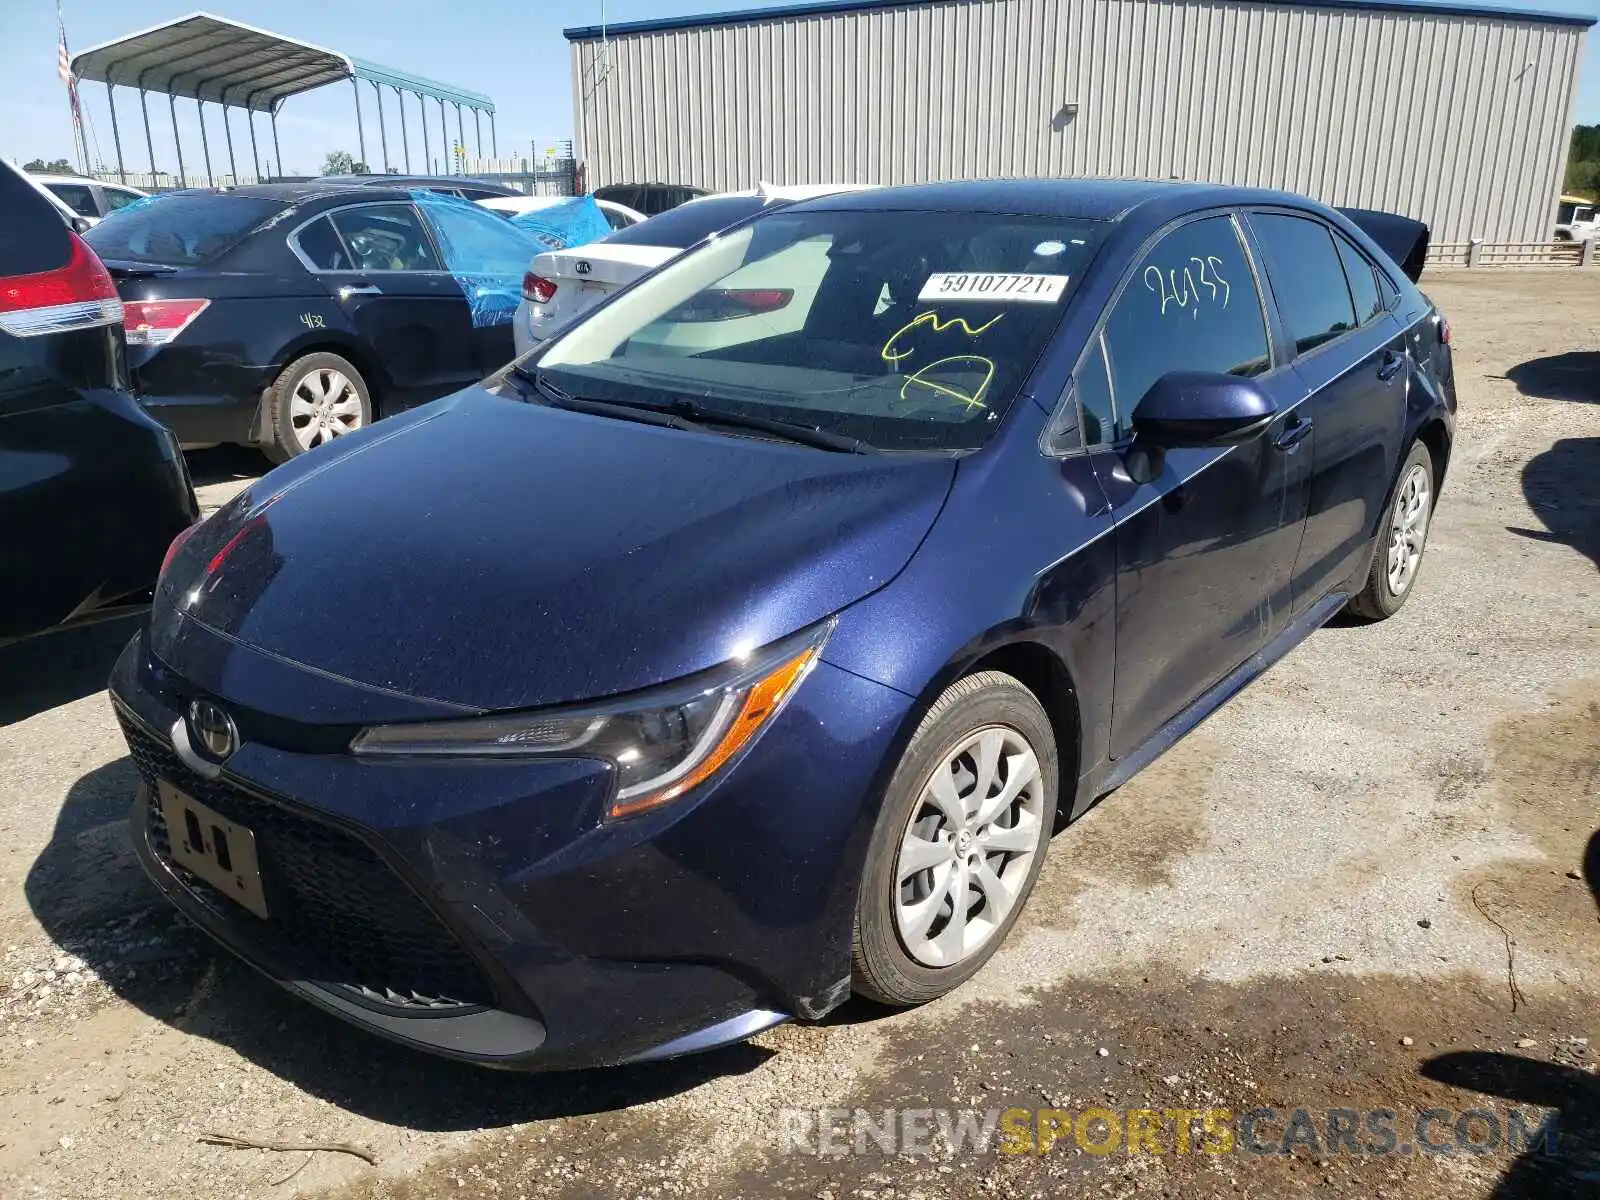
(959,842)
(1397,553)
(314,400)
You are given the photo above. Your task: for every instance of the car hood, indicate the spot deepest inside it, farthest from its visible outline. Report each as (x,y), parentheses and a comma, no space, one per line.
(492,554)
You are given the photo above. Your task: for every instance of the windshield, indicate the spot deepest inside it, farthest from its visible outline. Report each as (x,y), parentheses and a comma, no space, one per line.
(681,227)
(906,330)
(180,230)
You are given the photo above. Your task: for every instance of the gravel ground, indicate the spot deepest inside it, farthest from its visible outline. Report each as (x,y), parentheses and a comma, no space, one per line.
(1356,887)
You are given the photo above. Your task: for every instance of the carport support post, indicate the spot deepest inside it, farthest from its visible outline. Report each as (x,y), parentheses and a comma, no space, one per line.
(405,142)
(494,142)
(444,141)
(149,142)
(205,146)
(227,132)
(361,134)
(250,119)
(461,139)
(383,134)
(477,132)
(277,154)
(111,103)
(422,109)
(172,104)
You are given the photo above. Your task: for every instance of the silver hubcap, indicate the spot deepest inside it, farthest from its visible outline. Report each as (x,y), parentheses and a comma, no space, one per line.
(969,846)
(324,405)
(1408,531)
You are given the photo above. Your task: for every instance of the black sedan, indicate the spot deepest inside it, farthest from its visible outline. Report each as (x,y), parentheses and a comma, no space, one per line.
(284,315)
(92,490)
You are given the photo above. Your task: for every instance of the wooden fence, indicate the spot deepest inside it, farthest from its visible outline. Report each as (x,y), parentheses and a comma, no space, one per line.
(1511,254)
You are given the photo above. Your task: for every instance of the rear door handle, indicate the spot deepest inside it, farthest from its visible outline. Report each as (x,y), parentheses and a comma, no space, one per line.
(362,289)
(1391,364)
(1293,434)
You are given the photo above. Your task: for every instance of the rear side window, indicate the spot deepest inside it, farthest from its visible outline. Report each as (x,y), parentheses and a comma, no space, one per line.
(33,235)
(1190,305)
(385,237)
(1307,278)
(181,230)
(689,223)
(117,198)
(1363,283)
(79,197)
(321,247)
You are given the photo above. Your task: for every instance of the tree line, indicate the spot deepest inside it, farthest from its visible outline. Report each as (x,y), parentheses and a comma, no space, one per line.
(1583,162)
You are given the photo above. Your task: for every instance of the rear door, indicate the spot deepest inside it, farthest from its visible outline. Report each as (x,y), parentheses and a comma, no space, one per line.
(379,262)
(1351,355)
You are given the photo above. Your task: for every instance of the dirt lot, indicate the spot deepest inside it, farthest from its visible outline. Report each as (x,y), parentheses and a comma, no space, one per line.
(1357,887)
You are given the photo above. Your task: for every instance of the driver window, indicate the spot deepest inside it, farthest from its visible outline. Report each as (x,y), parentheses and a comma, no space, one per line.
(1190,305)
(385,237)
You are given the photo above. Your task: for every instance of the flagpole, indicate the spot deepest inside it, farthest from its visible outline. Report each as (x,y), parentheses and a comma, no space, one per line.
(64,69)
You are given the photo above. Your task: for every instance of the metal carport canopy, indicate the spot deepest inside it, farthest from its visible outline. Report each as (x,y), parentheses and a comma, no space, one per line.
(203,57)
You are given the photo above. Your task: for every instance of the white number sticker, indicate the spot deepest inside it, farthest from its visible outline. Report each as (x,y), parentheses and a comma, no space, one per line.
(998,288)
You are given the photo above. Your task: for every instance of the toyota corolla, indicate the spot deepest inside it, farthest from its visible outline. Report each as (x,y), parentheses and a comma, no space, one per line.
(666,687)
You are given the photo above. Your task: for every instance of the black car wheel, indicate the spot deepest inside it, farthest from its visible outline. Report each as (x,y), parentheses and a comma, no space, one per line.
(1397,551)
(316,399)
(959,841)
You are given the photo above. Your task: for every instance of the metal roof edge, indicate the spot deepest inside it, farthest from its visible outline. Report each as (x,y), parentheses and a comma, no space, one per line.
(810,8)
(392,77)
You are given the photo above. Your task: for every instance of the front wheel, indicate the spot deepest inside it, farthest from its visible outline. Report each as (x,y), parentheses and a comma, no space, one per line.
(314,400)
(1397,554)
(959,842)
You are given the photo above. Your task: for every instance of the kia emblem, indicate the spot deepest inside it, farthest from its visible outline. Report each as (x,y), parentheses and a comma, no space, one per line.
(583,266)
(212,730)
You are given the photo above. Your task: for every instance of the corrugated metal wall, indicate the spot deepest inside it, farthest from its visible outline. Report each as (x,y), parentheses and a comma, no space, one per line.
(1462,121)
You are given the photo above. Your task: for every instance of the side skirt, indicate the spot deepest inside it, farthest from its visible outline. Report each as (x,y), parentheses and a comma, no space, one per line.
(1208,702)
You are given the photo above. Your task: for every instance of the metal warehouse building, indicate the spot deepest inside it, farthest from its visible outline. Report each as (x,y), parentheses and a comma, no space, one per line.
(1457,115)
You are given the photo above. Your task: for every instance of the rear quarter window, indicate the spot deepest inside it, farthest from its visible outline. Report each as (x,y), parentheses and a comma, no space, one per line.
(689,223)
(33,235)
(182,230)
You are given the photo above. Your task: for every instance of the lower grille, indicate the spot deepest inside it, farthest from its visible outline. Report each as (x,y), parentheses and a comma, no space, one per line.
(340,916)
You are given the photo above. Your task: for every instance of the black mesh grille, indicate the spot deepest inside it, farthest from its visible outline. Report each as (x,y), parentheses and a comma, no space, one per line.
(339,914)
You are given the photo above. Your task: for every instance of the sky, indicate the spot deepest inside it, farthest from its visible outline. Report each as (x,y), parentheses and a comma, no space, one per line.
(521,63)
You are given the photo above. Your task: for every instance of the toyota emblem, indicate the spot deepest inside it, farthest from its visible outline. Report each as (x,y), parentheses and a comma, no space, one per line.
(212,730)
(583,266)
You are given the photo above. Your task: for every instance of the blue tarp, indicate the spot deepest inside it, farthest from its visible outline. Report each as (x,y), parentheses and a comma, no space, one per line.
(573,222)
(487,254)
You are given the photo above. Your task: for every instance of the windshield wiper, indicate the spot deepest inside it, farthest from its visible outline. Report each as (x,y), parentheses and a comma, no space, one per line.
(686,414)
(556,398)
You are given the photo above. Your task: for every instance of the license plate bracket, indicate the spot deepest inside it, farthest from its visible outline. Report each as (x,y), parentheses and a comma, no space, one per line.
(219,851)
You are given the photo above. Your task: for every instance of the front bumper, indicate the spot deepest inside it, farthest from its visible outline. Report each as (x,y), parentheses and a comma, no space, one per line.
(482,910)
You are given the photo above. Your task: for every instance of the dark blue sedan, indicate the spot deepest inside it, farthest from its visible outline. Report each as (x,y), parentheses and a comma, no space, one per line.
(743,646)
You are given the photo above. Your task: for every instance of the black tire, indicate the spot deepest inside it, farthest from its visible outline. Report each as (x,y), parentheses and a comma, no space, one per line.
(882,968)
(282,442)
(1378,599)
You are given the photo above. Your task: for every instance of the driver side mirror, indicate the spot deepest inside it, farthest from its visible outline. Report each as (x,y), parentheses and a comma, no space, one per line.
(1194,409)
(1201,408)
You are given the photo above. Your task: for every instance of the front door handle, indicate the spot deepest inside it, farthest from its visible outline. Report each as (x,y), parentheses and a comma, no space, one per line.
(1391,364)
(362,289)
(1293,434)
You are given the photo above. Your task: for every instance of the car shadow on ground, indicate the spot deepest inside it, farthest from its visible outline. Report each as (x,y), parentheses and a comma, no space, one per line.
(1567,1163)
(57,668)
(89,893)
(1574,376)
(222,464)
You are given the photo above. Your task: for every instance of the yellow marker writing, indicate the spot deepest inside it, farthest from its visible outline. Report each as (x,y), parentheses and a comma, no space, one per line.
(975,400)
(930,319)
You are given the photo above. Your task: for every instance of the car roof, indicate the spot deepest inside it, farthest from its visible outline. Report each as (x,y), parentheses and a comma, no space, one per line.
(404,181)
(305,192)
(1084,199)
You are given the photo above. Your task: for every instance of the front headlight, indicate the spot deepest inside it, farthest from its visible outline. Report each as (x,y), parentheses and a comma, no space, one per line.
(662,742)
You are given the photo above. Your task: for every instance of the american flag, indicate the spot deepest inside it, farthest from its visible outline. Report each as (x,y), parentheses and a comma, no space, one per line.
(64,69)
